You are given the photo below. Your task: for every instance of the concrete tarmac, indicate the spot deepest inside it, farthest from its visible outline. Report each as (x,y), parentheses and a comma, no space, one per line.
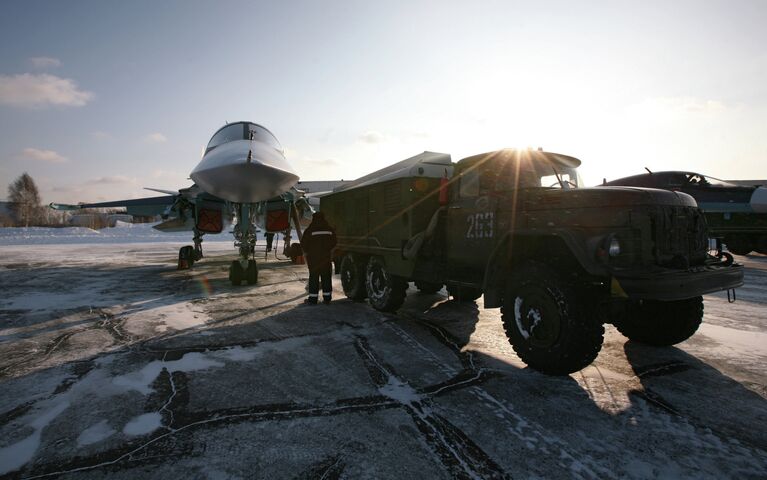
(114,364)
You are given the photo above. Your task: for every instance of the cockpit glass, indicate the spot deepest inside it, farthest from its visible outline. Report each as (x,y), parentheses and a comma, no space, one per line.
(718,183)
(695,179)
(230,133)
(243,131)
(263,135)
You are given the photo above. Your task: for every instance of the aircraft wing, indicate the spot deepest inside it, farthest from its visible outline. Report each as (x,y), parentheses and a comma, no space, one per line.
(137,206)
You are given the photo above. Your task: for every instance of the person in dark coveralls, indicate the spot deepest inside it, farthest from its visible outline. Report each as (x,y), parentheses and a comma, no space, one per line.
(317,243)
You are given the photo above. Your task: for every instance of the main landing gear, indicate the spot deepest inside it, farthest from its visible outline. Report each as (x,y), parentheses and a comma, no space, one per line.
(188,254)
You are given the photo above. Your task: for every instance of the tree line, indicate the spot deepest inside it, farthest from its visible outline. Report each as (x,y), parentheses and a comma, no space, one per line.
(25,209)
(24,203)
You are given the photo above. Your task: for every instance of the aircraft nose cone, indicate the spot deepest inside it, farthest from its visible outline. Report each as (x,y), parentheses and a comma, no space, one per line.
(759,200)
(244,172)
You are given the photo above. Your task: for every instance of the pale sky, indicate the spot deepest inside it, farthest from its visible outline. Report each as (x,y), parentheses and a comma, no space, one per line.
(99,99)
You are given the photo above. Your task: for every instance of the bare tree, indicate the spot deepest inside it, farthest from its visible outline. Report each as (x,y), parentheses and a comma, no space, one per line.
(25,199)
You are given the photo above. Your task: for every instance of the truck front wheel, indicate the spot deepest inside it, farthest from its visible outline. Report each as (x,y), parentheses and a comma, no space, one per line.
(386,292)
(353,277)
(549,326)
(661,323)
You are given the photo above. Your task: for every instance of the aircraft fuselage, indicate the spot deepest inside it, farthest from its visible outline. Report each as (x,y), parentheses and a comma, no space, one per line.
(244,163)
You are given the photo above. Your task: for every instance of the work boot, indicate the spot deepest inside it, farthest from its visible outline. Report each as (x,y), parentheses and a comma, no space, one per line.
(311,301)
(326,300)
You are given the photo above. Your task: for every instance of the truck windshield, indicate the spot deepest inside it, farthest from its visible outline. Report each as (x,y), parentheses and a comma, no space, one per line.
(561,178)
(535,174)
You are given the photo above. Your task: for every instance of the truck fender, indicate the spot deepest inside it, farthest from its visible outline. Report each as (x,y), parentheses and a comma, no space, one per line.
(524,244)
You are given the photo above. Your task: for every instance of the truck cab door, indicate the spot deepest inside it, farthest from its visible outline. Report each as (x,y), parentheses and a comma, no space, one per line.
(470,223)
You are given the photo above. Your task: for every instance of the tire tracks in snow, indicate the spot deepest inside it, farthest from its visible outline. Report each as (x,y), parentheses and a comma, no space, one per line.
(521,427)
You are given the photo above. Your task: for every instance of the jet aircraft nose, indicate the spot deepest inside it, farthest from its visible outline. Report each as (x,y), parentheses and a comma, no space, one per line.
(244,171)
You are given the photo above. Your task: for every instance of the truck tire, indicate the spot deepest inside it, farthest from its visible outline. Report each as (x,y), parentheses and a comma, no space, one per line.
(464,294)
(661,323)
(761,245)
(353,277)
(386,292)
(739,244)
(428,287)
(550,327)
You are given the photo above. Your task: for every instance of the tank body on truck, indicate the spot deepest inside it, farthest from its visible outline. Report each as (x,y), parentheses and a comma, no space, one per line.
(514,225)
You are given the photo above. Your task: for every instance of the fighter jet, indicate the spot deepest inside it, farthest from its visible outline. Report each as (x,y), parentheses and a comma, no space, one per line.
(736,213)
(243,178)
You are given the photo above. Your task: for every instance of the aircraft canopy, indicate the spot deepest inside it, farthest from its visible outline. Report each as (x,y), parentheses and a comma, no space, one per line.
(242,131)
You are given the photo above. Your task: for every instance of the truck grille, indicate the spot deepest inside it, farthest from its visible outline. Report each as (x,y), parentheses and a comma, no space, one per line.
(681,237)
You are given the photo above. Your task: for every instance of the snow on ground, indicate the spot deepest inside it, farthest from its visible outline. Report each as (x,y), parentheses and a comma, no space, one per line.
(95,433)
(113,363)
(122,233)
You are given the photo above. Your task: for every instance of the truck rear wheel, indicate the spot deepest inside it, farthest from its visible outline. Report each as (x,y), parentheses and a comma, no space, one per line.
(386,292)
(549,326)
(761,245)
(353,277)
(428,287)
(661,323)
(739,244)
(464,294)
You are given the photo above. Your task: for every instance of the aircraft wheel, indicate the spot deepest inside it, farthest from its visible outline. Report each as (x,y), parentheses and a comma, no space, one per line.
(251,273)
(186,257)
(295,251)
(236,273)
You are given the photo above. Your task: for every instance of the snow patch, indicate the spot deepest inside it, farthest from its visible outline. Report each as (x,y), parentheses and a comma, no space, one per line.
(141,380)
(17,455)
(123,233)
(177,316)
(143,424)
(736,342)
(47,301)
(238,354)
(400,391)
(95,433)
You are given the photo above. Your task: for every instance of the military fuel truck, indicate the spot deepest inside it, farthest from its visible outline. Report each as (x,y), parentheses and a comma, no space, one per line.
(514,225)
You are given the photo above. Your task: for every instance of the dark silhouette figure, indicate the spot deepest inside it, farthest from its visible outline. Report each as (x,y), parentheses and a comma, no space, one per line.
(317,242)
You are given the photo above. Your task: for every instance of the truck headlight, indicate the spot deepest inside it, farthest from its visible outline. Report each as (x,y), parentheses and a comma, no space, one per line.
(614,247)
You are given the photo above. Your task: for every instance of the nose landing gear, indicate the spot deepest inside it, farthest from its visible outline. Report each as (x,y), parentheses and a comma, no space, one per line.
(248,273)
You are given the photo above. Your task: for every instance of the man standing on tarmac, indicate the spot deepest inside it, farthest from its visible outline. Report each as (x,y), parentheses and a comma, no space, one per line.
(317,242)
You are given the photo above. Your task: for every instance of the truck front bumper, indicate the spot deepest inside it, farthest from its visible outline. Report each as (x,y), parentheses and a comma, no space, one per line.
(668,284)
